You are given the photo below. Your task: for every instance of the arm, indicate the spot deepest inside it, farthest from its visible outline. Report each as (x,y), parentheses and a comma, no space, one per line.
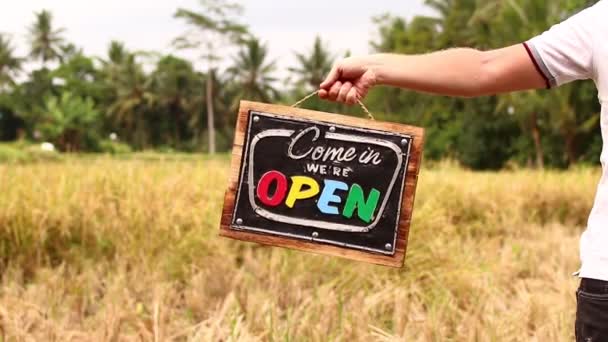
(455,72)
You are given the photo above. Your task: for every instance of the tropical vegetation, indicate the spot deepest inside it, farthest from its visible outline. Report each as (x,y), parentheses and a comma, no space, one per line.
(78,101)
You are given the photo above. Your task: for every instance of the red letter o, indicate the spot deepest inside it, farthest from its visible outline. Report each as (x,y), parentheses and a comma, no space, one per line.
(264,185)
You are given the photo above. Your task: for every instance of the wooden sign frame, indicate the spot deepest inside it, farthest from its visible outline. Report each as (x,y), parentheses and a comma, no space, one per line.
(227,228)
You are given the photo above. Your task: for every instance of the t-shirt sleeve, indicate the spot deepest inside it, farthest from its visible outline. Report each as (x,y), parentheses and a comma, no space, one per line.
(564,53)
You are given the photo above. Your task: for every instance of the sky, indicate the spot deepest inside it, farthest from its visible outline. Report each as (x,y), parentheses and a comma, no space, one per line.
(285,26)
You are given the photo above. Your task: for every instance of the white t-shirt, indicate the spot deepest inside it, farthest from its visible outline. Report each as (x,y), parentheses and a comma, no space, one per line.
(572,50)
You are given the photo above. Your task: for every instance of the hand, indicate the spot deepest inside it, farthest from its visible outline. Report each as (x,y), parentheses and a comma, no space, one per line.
(349,80)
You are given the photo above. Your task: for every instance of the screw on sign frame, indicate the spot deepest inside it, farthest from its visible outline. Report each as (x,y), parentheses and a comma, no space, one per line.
(322,182)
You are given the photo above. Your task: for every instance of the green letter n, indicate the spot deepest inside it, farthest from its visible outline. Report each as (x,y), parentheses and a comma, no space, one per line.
(356,199)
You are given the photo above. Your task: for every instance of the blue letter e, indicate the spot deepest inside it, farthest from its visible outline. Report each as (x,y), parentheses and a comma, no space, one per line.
(328,196)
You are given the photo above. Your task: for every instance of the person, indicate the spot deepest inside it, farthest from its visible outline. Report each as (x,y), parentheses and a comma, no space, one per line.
(571,50)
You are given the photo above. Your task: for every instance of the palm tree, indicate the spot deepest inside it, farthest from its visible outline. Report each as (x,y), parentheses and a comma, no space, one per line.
(45,41)
(314,66)
(453,21)
(514,22)
(252,71)
(224,95)
(113,65)
(216,28)
(130,87)
(117,53)
(527,108)
(9,64)
(174,82)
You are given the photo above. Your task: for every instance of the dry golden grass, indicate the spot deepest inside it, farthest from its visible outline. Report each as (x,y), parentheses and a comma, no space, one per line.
(127,250)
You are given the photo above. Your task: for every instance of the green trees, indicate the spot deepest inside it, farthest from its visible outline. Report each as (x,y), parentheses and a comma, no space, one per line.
(45,41)
(312,66)
(534,128)
(568,112)
(10,64)
(176,88)
(216,28)
(165,102)
(130,97)
(253,73)
(69,121)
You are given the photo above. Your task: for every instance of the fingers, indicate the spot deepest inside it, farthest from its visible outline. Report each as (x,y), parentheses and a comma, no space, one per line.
(323,93)
(352,96)
(348,81)
(346,87)
(341,92)
(334,91)
(332,77)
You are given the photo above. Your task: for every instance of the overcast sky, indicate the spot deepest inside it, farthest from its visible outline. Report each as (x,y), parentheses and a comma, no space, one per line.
(286,26)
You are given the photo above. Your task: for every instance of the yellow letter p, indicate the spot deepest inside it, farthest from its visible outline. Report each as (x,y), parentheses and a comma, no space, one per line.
(296,192)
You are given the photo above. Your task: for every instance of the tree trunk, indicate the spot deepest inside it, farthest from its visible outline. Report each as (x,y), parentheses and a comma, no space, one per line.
(210,114)
(141,139)
(569,147)
(540,164)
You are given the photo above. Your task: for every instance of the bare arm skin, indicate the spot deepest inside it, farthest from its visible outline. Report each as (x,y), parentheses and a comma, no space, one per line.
(455,72)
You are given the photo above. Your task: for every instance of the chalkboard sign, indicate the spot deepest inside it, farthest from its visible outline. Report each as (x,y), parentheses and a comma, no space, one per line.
(322,182)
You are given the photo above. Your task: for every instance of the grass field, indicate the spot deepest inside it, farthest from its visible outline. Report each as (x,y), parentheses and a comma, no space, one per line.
(102,249)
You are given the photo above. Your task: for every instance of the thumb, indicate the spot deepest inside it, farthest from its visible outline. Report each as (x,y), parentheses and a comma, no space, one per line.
(332,77)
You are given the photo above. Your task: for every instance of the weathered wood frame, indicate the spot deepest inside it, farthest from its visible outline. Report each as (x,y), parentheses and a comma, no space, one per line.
(407,203)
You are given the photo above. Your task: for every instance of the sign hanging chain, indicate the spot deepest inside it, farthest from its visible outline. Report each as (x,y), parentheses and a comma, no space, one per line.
(297,104)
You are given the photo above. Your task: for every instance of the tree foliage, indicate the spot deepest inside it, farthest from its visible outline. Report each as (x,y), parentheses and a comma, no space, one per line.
(10,64)
(69,121)
(45,40)
(253,72)
(216,27)
(533,127)
(79,101)
(313,65)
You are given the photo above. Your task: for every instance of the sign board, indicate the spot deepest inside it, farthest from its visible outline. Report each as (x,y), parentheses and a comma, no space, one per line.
(322,182)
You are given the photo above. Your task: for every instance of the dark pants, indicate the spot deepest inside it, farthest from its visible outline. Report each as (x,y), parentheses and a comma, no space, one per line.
(592,311)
